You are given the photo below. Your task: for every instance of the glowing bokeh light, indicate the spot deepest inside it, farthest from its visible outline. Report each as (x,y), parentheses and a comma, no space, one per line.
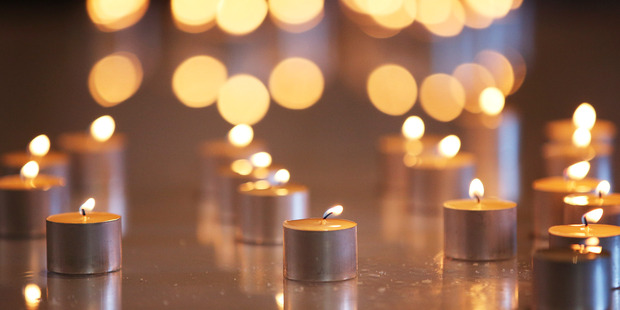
(491,8)
(241,166)
(475,20)
(452,25)
(413,127)
(39,146)
(584,116)
(194,16)
(449,146)
(243,99)
(115,78)
(433,11)
(240,17)
(30,170)
(261,159)
(197,81)
(102,128)
(296,83)
(32,295)
(492,101)
(282,176)
(578,171)
(295,12)
(474,78)
(499,66)
(581,137)
(442,97)
(382,7)
(392,89)
(113,15)
(241,135)
(399,19)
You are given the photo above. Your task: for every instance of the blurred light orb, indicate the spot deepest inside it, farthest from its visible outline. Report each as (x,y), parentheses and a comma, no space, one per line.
(197,81)
(491,8)
(499,67)
(115,78)
(452,25)
(382,7)
(399,19)
(243,99)
(296,83)
(295,12)
(475,20)
(492,101)
(442,97)
(194,16)
(474,78)
(392,89)
(240,17)
(241,135)
(433,11)
(114,15)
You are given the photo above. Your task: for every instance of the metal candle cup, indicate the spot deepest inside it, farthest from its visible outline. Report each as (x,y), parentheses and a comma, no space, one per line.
(562,130)
(559,155)
(549,196)
(262,211)
(566,279)
(576,205)
(320,250)
(24,204)
(480,231)
(78,244)
(563,236)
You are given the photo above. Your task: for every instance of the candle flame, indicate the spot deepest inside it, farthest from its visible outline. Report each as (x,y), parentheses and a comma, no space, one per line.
(261,159)
(241,166)
(581,137)
(491,101)
(335,211)
(262,184)
(87,206)
(592,216)
(578,171)
(241,135)
(476,189)
(39,146)
(576,200)
(102,128)
(449,146)
(30,170)
(282,176)
(603,188)
(32,295)
(584,116)
(413,128)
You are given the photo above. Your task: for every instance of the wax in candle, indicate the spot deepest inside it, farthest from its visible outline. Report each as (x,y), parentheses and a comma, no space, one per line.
(580,230)
(484,204)
(563,185)
(318,224)
(42,182)
(89,218)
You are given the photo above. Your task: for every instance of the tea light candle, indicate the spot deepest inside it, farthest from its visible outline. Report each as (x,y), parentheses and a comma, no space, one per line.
(26,200)
(320,249)
(480,229)
(576,205)
(264,207)
(608,236)
(549,196)
(97,165)
(436,179)
(583,117)
(559,155)
(566,278)
(50,163)
(84,242)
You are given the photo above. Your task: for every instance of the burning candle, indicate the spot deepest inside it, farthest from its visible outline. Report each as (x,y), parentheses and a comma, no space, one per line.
(98,165)
(50,163)
(27,199)
(84,242)
(577,204)
(549,196)
(480,229)
(583,117)
(576,277)
(263,207)
(608,236)
(438,178)
(320,249)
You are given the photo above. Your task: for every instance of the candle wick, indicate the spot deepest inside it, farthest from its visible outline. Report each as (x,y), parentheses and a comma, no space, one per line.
(584,221)
(477,198)
(600,194)
(326,215)
(83,212)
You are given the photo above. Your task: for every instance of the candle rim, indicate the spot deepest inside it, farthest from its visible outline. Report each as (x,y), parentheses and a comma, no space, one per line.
(428,162)
(557,254)
(611,199)
(319,228)
(20,158)
(75,218)
(471,204)
(556,230)
(603,130)
(271,191)
(82,142)
(42,182)
(582,186)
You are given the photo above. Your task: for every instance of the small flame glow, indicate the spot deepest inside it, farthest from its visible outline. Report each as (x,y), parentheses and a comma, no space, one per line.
(491,101)
(582,137)
(32,295)
(102,128)
(335,211)
(603,188)
(87,206)
(593,216)
(592,241)
(584,116)
(449,146)
(413,128)
(39,146)
(241,135)
(578,171)
(262,184)
(280,300)
(30,170)
(476,189)
(261,159)
(241,166)
(282,176)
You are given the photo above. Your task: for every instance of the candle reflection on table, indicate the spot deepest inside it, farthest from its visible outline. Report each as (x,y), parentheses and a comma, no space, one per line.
(220,235)
(99,292)
(300,295)
(260,268)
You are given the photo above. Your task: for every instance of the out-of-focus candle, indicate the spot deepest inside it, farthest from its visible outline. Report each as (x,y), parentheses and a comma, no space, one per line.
(480,229)
(50,163)
(320,249)
(549,196)
(84,242)
(583,117)
(575,205)
(27,199)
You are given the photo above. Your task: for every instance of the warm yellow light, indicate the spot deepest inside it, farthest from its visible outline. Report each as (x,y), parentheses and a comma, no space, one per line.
(194,15)
(433,11)
(449,146)
(296,83)
(476,189)
(197,81)
(413,127)
(241,135)
(241,166)
(87,206)
(240,17)
(578,171)
(576,200)
(115,78)
(581,137)
(32,295)
(442,97)
(295,12)
(30,170)
(603,188)
(501,69)
(113,15)
(102,128)
(593,216)
(282,176)
(39,146)
(382,7)
(475,20)
(584,116)
(392,89)
(474,78)
(261,159)
(400,18)
(280,300)
(335,211)
(492,101)
(592,241)
(491,8)
(243,99)
(452,25)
